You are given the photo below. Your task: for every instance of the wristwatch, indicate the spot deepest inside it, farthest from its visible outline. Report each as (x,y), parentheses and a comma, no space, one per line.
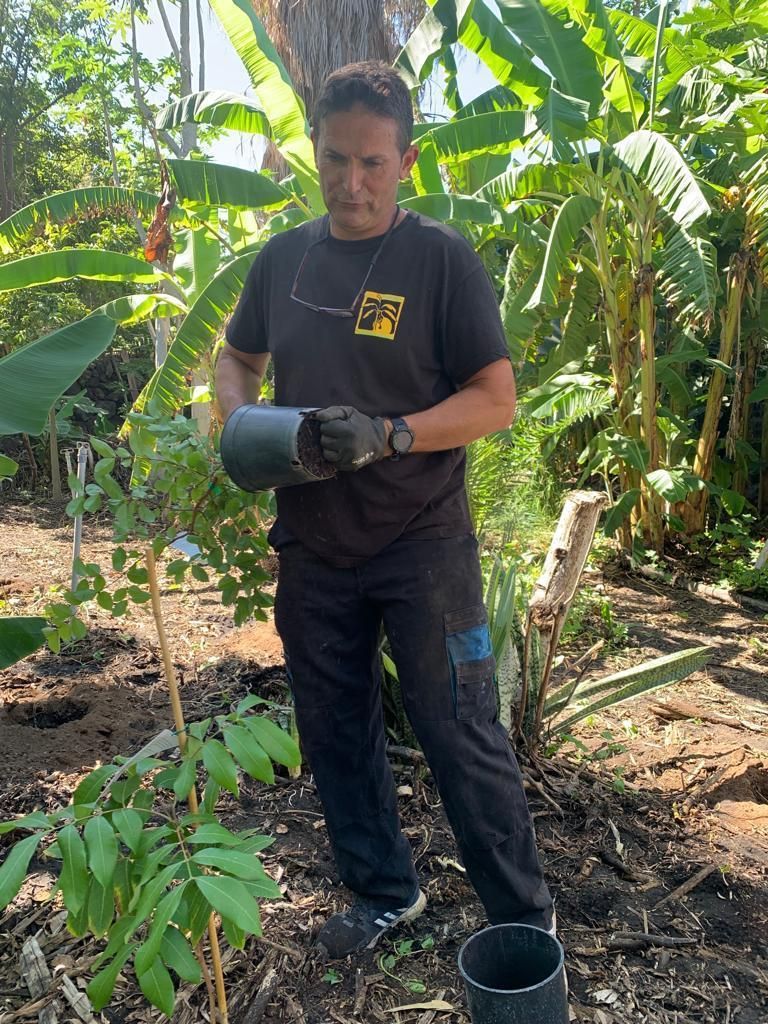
(401,438)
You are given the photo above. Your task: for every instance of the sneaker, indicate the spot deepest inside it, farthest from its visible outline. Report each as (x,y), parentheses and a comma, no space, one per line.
(362,925)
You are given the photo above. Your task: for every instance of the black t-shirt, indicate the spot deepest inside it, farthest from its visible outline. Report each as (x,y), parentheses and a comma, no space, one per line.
(427,322)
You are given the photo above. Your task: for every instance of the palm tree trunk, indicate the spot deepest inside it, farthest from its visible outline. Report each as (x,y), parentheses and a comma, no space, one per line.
(695,510)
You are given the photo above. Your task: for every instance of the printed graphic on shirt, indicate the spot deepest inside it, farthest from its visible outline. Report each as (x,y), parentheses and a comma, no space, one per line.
(379,315)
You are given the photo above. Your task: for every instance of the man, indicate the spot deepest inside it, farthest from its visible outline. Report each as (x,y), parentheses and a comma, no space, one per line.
(386,322)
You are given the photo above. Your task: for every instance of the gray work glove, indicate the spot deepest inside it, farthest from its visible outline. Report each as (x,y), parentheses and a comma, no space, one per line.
(350,439)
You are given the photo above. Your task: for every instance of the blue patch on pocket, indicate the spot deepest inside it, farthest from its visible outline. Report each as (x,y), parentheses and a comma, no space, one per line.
(469,645)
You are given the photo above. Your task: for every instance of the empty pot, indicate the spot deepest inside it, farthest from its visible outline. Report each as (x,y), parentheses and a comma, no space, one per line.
(514,974)
(265,446)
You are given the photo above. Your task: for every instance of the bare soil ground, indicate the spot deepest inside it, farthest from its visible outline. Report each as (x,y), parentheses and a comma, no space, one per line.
(692,762)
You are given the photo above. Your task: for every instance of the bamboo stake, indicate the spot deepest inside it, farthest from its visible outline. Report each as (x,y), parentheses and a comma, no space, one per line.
(181,729)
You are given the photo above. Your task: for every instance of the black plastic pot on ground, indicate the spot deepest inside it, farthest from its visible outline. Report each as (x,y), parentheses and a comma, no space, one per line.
(514,974)
(266,446)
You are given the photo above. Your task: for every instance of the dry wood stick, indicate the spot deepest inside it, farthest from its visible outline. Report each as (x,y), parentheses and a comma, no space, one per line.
(686,887)
(262,999)
(181,729)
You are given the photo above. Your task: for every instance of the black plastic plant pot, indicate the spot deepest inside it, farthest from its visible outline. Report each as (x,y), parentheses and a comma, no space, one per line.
(266,446)
(514,974)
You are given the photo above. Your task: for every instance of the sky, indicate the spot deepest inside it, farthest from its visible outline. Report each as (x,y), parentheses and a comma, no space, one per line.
(224,71)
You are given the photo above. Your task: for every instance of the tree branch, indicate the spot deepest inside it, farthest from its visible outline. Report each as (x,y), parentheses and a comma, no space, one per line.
(169,30)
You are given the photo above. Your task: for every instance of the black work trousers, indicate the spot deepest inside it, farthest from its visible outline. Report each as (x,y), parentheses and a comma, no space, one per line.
(428,595)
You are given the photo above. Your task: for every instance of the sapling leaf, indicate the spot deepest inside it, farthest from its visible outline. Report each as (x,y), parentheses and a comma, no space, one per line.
(101,908)
(36,820)
(165,910)
(177,954)
(231,898)
(101,845)
(185,780)
(209,834)
(146,897)
(157,986)
(129,825)
(14,867)
(277,743)
(252,758)
(102,985)
(234,862)
(89,789)
(77,923)
(235,936)
(220,765)
(73,879)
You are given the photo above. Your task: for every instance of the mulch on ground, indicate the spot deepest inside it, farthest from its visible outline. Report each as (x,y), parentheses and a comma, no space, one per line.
(666,791)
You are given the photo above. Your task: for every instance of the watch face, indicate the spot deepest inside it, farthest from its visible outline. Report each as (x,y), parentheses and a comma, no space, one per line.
(402,441)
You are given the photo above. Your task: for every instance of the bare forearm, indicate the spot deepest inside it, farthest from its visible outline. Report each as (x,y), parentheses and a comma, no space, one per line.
(236,384)
(471,413)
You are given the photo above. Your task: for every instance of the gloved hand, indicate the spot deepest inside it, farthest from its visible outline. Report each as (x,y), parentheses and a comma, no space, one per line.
(350,439)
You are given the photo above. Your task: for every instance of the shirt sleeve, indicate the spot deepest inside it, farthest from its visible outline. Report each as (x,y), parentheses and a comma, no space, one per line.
(473,335)
(247,328)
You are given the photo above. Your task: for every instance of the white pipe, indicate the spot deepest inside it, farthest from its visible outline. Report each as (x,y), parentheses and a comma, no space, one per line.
(82,462)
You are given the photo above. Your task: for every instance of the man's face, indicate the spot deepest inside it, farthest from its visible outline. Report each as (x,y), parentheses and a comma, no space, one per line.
(360,165)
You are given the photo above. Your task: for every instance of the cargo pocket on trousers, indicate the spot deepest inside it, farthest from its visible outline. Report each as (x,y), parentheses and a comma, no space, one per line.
(471,662)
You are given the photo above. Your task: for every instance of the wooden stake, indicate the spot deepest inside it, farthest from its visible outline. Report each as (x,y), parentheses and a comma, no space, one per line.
(181,729)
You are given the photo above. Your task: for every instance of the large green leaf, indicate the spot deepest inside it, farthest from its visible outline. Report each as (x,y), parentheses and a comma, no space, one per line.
(220,185)
(512,66)
(601,38)
(168,387)
(274,90)
(223,109)
(688,276)
(133,309)
(231,898)
(559,43)
(756,206)
(438,29)
(198,254)
(659,166)
(64,264)
(33,377)
(468,137)
(457,208)
(75,205)
(20,635)
(563,119)
(575,212)
(532,180)
(634,34)
(101,844)
(8,469)
(14,868)
(157,986)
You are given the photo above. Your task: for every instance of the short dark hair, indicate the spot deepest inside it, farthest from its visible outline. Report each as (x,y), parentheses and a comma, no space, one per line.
(375,86)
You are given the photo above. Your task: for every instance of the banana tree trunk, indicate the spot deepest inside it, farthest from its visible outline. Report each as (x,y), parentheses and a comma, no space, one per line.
(53,441)
(653,528)
(695,509)
(616,294)
(751,360)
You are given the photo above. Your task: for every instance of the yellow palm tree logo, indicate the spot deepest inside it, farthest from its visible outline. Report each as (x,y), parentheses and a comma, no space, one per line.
(379,315)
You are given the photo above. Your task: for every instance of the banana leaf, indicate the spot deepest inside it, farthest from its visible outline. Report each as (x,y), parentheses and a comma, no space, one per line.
(220,185)
(660,168)
(167,389)
(64,264)
(8,468)
(558,42)
(273,86)
(438,29)
(468,137)
(73,206)
(33,377)
(223,109)
(688,276)
(511,65)
(575,212)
